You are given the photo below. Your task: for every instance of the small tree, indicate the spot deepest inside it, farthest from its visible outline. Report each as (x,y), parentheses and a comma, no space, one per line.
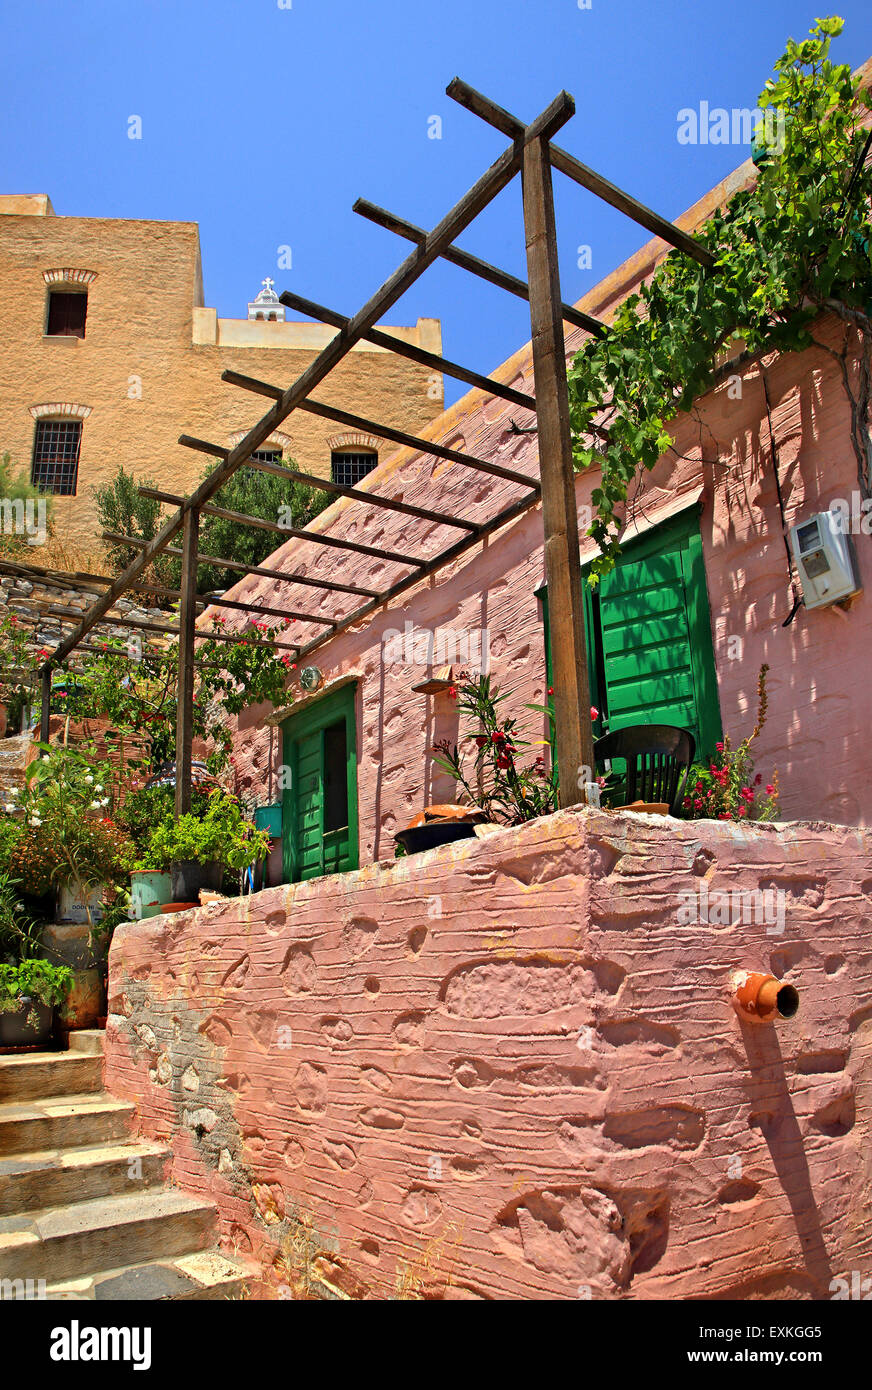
(21,506)
(250,492)
(122,509)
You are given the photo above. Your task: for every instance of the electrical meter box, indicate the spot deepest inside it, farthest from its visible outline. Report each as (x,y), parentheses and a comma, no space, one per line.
(825,559)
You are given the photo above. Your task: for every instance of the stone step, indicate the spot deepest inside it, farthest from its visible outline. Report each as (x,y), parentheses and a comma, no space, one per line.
(52,1177)
(58,1122)
(206,1275)
(88,1040)
(35,1075)
(83,1238)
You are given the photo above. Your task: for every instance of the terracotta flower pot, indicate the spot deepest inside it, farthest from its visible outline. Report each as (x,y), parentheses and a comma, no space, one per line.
(439,825)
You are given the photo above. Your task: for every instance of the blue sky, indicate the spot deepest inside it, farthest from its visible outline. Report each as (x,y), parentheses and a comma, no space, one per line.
(263,124)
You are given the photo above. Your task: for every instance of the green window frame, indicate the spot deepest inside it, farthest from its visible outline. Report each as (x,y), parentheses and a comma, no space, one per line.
(311,847)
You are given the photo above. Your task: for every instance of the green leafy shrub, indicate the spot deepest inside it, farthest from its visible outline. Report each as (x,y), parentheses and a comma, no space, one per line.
(33,979)
(790,248)
(221,835)
(69,835)
(249,492)
(16,487)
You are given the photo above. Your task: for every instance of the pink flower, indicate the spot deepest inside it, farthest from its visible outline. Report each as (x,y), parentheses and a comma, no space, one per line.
(770,790)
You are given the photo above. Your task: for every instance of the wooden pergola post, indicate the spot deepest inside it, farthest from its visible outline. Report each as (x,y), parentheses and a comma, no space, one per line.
(45,704)
(187,629)
(573,733)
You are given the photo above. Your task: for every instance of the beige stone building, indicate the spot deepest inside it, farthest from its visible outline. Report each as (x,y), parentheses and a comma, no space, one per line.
(108,353)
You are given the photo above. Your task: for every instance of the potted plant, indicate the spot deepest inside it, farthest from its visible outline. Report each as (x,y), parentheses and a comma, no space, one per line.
(29,991)
(496,782)
(197,849)
(72,848)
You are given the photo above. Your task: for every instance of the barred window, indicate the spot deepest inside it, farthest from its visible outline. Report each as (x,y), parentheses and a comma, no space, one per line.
(55,465)
(347,468)
(67,312)
(267,456)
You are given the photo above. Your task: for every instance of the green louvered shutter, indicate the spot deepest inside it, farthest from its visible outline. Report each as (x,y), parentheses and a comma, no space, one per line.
(651,624)
(648,633)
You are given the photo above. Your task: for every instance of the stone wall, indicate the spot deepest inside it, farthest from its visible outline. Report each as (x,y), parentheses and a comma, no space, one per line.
(20,596)
(510,1068)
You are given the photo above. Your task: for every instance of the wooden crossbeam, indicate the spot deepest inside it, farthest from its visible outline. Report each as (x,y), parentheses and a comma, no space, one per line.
(220,562)
(411,441)
(243,519)
(445,557)
(485,189)
(263,388)
(474,264)
(409,350)
(573,168)
(169,631)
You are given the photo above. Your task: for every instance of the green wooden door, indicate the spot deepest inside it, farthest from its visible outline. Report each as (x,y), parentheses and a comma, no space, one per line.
(320,799)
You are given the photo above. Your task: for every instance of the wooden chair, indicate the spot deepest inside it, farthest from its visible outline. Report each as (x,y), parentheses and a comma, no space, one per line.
(657,756)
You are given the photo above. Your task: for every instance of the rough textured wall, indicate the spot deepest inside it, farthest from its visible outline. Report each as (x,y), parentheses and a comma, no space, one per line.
(139,325)
(821,665)
(510,1068)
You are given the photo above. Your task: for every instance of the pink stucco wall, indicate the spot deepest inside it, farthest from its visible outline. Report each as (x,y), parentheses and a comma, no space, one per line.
(510,1068)
(821,665)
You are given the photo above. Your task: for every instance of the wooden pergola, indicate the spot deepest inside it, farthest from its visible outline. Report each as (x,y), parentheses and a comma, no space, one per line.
(532,154)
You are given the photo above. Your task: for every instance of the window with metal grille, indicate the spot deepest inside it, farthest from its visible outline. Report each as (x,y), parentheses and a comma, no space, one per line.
(67,312)
(267,456)
(348,468)
(55,465)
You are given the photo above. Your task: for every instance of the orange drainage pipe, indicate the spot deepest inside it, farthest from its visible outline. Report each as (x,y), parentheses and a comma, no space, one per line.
(761,998)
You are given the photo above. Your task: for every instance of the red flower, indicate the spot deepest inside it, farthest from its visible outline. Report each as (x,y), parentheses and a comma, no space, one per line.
(551,690)
(594,712)
(770,789)
(452,692)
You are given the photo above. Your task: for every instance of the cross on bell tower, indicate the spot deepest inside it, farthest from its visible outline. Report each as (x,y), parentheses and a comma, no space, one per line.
(266,307)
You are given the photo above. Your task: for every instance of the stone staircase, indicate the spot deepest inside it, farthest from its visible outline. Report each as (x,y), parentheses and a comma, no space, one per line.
(84,1207)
